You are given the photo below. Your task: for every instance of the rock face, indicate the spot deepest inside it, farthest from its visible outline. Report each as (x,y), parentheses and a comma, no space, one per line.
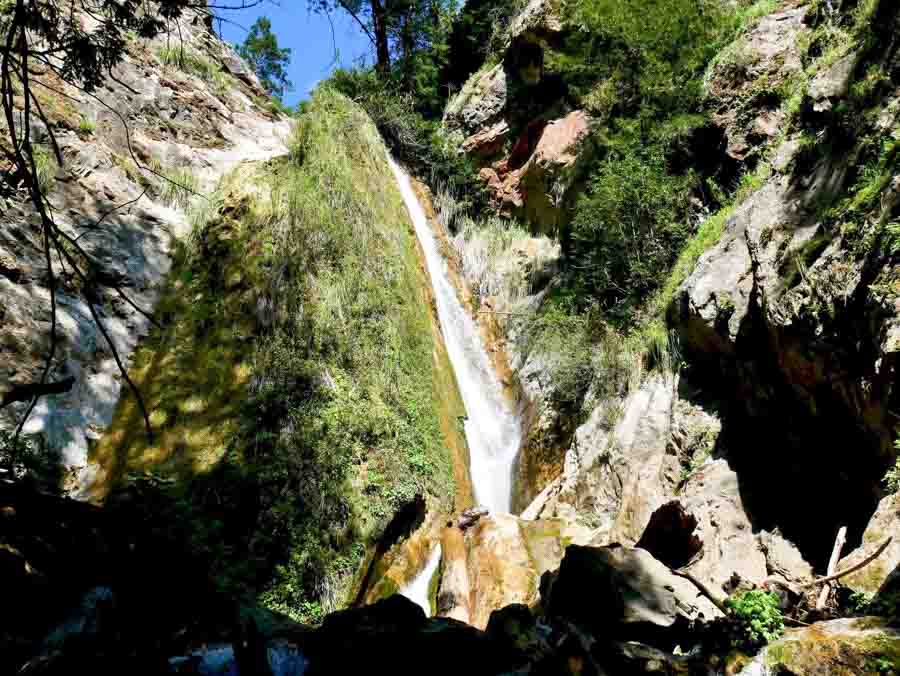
(770,54)
(515,124)
(177,122)
(535,190)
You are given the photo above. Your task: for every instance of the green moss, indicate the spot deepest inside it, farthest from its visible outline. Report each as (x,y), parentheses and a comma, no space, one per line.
(298,388)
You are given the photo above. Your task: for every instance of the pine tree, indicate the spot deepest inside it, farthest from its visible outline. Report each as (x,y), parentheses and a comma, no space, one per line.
(269,60)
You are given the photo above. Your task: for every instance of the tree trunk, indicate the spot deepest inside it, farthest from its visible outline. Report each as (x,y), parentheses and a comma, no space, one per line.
(409,47)
(379,24)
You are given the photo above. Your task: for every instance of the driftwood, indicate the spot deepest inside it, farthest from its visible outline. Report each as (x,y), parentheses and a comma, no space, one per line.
(852,569)
(706,591)
(832,565)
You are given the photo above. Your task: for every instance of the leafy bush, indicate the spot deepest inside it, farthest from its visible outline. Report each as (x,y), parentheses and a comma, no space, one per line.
(628,228)
(757,618)
(86,127)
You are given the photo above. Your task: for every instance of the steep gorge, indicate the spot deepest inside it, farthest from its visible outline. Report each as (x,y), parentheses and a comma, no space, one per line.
(327,406)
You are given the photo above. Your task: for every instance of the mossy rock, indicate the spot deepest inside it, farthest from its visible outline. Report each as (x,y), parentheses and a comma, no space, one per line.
(846,647)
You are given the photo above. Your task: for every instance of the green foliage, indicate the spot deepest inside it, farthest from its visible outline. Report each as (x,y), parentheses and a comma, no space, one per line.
(260,49)
(757,618)
(86,127)
(46,168)
(628,227)
(655,51)
(24,457)
(194,63)
(475,37)
(414,140)
(179,187)
(344,425)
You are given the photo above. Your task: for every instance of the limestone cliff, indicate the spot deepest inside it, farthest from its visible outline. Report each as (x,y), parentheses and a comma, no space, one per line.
(188,110)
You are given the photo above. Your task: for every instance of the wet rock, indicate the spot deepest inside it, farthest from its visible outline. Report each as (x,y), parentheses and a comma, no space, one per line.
(848,647)
(618,592)
(470,517)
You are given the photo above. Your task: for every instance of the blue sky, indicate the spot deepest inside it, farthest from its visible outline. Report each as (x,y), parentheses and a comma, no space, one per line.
(309,36)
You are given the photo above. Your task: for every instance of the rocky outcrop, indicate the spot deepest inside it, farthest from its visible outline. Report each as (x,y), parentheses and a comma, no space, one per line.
(536,189)
(758,62)
(783,306)
(504,559)
(181,125)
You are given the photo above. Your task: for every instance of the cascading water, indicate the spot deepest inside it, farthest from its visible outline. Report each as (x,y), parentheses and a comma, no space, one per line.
(417,590)
(493,430)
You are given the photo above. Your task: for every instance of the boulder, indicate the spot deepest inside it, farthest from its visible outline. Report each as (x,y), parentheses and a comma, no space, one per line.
(847,647)
(543,165)
(623,593)
(488,141)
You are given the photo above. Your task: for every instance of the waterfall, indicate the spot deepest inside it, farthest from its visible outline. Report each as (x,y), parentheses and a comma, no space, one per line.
(417,590)
(493,430)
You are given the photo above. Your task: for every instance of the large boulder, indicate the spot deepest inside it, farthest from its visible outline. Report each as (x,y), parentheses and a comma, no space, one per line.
(506,557)
(624,593)
(480,103)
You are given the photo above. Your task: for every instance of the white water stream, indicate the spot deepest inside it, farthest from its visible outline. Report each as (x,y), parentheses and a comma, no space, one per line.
(417,590)
(493,430)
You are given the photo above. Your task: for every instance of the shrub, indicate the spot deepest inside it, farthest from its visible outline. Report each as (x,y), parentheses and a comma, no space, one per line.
(415,141)
(757,618)
(628,228)
(46,169)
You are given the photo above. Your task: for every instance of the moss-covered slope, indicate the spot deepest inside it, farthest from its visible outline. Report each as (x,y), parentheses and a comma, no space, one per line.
(299,391)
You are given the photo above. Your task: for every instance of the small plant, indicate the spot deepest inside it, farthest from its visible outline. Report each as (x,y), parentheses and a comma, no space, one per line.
(46,169)
(179,187)
(757,618)
(193,63)
(86,127)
